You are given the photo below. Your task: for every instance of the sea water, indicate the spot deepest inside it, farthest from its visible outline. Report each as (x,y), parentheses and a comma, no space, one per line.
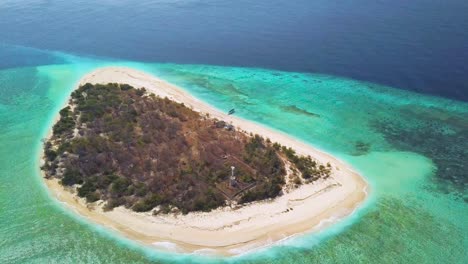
(417,45)
(410,146)
(417,207)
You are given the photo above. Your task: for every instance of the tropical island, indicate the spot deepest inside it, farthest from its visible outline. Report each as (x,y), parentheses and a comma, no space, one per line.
(138,154)
(130,148)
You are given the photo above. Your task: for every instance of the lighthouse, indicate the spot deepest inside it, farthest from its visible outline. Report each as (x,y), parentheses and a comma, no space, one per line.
(232,179)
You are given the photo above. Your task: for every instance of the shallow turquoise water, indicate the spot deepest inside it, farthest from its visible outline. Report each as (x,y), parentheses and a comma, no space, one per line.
(411,148)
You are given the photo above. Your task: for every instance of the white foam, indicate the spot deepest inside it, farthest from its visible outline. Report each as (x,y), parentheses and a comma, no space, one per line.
(166,245)
(327,222)
(205,252)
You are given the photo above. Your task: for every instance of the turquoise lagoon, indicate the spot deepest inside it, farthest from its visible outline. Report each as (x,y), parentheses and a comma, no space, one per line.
(412,148)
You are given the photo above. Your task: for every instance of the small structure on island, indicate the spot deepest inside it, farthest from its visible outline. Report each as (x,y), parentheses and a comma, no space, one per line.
(220,124)
(223,124)
(229,127)
(232,179)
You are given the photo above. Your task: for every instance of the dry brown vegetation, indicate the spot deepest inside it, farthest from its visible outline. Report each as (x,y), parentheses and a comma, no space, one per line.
(119,144)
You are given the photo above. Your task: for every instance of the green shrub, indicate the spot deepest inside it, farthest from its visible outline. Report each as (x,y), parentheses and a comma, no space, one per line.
(71,177)
(93,197)
(125,87)
(65,123)
(147,203)
(119,186)
(50,154)
(87,188)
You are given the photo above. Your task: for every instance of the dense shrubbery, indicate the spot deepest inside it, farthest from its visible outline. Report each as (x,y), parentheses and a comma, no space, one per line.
(308,167)
(66,122)
(265,191)
(266,159)
(143,152)
(71,177)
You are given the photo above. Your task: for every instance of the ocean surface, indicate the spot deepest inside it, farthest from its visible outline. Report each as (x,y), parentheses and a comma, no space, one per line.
(382,85)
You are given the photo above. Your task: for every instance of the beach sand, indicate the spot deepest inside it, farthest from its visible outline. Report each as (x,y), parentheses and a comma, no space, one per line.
(226,231)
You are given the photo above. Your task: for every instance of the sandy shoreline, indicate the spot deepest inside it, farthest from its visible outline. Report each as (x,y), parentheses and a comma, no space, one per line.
(226,231)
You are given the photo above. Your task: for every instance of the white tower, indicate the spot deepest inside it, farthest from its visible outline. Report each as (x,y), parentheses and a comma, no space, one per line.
(233,177)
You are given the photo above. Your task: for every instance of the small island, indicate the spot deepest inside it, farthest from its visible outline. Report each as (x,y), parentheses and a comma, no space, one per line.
(145,157)
(129,148)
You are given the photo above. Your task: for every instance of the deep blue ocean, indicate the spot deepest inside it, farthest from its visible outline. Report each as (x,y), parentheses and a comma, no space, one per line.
(419,45)
(385,84)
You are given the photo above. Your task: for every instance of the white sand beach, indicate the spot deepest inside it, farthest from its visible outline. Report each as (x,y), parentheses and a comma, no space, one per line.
(226,231)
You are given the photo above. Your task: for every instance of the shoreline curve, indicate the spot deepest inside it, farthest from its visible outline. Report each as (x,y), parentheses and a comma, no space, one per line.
(225,231)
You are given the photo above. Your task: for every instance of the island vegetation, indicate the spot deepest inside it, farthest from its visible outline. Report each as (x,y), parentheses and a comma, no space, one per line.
(127,147)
